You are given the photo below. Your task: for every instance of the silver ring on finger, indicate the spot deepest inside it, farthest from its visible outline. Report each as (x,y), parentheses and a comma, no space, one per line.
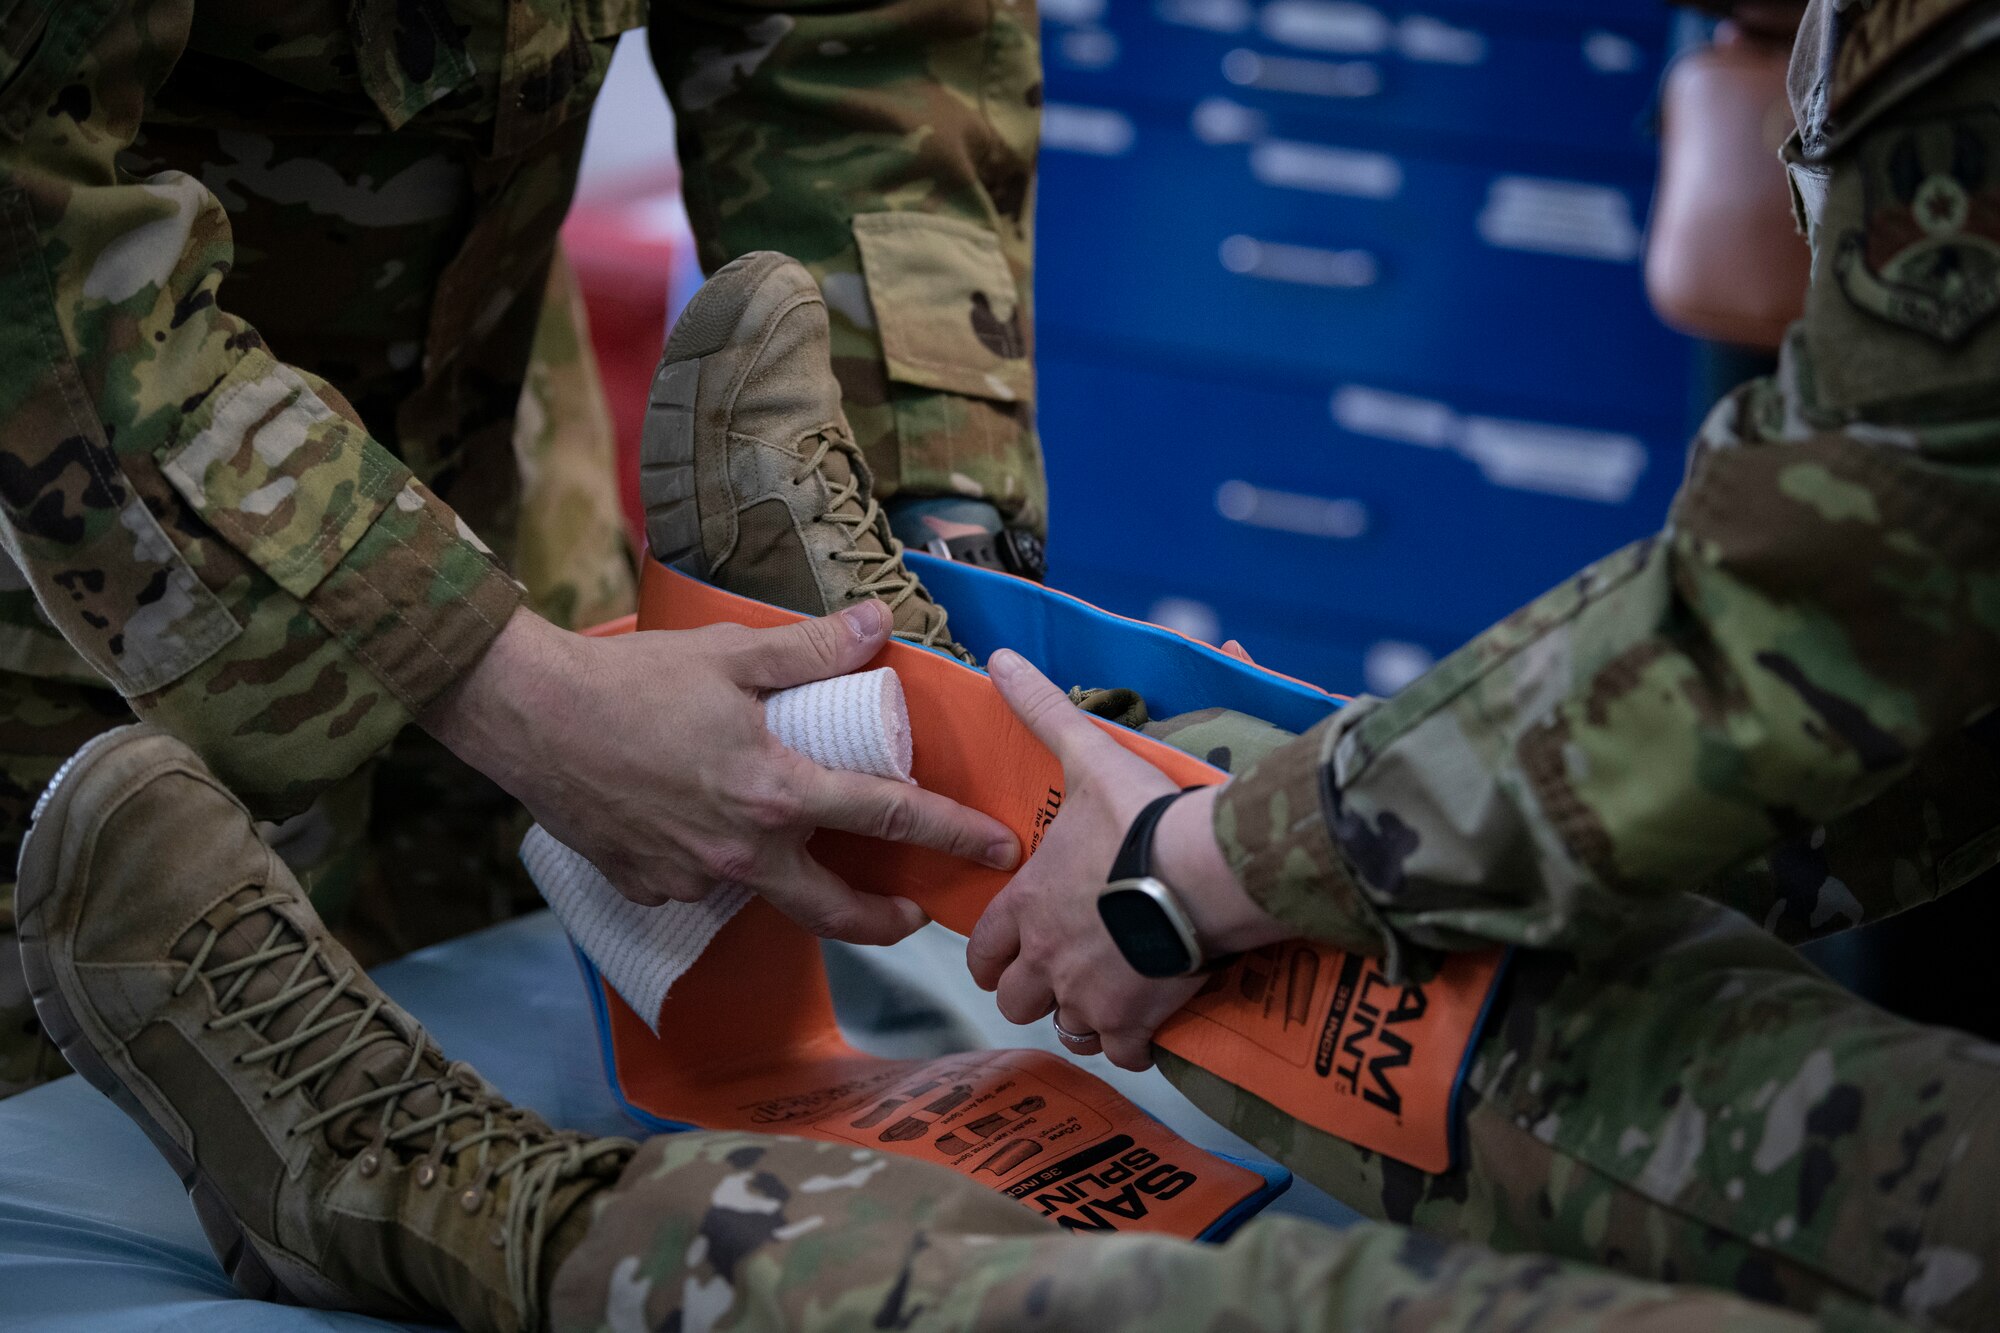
(1068,1038)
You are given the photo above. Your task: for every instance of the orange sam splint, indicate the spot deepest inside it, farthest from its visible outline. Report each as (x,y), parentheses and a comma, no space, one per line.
(747,1038)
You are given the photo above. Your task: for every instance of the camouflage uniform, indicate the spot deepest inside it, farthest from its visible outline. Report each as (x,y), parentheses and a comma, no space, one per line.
(737,1231)
(196,529)
(1782,700)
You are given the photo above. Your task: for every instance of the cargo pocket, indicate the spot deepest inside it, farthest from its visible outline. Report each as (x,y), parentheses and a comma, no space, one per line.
(284,479)
(550,72)
(41,44)
(609,18)
(945,305)
(410,55)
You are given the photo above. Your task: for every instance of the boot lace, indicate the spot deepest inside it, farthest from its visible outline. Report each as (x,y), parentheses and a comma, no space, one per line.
(880,573)
(504,1141)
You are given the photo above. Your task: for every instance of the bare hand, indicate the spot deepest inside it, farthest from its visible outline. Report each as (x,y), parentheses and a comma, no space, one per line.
(1040,946)
(647,753)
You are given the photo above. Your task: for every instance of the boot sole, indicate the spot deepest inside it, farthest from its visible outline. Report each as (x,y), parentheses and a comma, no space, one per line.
(245,1267)
(706,331)
(666,469)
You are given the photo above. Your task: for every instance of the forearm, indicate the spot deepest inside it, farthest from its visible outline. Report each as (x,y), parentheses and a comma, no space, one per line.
(211,530)
(891,148)
(520,689)
(1187,856)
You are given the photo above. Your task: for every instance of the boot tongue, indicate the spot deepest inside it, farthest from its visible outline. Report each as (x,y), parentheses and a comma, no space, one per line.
(917,614)
(838,469)
(384,1054)
(380,1065)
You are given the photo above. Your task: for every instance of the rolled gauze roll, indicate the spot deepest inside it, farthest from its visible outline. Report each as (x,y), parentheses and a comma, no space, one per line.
(859,723)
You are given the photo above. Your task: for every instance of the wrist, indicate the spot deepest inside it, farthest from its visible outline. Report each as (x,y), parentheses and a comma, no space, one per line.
(491,716)
(1188,858)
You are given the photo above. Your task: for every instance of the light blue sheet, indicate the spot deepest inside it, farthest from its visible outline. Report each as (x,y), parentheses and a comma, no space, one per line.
(97,1237)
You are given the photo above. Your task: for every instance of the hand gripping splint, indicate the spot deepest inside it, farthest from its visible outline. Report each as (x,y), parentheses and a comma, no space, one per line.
(746,1037)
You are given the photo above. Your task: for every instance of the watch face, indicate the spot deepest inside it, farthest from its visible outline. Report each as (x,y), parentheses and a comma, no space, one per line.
(1144,933)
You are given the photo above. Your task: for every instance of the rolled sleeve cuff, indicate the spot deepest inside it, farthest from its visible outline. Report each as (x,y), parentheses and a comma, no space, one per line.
(1276,827)
(312,688)
(418,600)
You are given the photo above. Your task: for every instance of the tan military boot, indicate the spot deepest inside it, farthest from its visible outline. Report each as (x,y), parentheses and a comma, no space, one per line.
(749,473)
(334,1157)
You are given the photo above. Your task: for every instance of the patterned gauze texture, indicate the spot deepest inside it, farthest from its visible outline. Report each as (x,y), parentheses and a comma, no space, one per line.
(858,723)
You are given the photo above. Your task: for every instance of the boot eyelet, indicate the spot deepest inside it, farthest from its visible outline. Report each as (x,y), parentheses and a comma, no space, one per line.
(368,1164)
(499,1238)
(471,1199)
(427,1175)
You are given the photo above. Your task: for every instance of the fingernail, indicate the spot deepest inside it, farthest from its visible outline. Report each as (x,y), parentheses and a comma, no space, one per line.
(1003,663)
(1001,855)
(865,620)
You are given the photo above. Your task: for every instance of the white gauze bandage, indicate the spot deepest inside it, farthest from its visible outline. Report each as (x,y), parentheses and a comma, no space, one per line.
(858,723)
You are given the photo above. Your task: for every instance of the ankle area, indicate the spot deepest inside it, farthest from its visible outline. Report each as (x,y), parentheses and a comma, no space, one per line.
(918,520)
(564,1229)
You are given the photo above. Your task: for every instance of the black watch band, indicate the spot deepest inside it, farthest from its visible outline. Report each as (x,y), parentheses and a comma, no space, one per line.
(1143,914)
(1135,854)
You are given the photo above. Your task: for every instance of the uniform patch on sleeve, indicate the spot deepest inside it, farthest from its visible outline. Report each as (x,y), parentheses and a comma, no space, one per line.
(1878,35)
(287,481)
(1927,253)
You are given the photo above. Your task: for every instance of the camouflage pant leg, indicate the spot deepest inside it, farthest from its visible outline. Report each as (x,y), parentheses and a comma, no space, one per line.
(911,201)
(570,549)
(1696,1103)
(42,722)
(735,1232)
(1226,739)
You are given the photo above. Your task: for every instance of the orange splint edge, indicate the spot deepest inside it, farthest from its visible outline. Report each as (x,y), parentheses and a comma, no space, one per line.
(748,1039)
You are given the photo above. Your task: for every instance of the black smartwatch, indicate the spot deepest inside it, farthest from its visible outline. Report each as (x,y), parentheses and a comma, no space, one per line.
(1142,912)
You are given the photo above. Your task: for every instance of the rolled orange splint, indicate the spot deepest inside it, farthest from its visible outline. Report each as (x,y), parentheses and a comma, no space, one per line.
(746,1039)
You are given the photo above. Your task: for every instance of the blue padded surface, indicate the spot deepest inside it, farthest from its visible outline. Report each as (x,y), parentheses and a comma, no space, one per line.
(1075,643)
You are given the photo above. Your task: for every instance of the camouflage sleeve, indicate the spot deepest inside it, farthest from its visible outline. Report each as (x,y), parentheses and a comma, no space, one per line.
(211,530)
(1927,835)
(890,146)
(1815,622)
